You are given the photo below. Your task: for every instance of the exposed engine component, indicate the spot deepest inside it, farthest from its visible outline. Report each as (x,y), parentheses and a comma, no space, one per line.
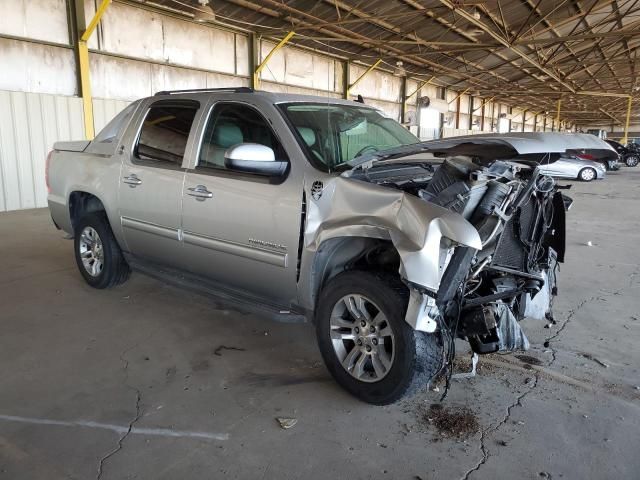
(519,215)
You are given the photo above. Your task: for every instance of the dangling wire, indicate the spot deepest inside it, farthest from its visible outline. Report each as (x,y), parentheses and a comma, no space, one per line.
(452,333)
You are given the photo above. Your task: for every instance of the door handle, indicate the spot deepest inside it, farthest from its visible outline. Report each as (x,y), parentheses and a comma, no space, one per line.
(200,192)
(132,180)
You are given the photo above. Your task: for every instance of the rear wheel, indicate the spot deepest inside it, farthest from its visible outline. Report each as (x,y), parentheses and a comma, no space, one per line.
(632,160)
(97,253)
(587,174)
(367,345)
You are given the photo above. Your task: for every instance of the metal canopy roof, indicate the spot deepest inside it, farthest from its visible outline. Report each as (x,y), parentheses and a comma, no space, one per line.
(528,53)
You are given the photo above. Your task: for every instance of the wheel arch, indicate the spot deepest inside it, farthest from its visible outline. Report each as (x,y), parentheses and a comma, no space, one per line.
(81,203)
(339,254)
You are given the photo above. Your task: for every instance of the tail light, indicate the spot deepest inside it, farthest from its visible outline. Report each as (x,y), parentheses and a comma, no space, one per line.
(46,171)
(586,156)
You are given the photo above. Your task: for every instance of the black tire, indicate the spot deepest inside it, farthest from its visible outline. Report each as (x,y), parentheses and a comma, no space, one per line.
(115,269)
(418,355)
(587,174)
(632,160)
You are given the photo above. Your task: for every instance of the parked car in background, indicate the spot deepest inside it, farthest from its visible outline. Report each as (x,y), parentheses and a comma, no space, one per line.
(629,156)
(566,166)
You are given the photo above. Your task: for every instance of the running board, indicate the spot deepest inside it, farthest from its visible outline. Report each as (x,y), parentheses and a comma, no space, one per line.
(209,288)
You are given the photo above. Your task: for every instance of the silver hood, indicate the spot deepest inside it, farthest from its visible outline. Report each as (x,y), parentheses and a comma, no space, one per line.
(496,146)
(531,142)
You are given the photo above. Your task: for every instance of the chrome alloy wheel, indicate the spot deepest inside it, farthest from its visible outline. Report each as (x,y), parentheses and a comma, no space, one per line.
(362,338)
(588,174)
(91,251)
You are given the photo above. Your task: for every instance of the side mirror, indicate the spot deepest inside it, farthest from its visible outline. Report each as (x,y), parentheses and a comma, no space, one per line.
(254,158)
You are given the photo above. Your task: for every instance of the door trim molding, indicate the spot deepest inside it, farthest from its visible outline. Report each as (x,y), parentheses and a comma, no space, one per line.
(239,249)
(152,228)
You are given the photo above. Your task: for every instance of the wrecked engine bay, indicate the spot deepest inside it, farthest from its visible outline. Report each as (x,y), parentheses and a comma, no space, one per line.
(484,292)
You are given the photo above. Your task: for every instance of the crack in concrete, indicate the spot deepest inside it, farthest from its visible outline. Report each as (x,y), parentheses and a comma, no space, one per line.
(138,414)
(575,310)
(122,438)
(492,429)
(571,314)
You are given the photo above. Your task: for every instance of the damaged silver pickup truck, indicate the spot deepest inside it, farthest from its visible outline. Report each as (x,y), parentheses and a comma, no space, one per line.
(307,207)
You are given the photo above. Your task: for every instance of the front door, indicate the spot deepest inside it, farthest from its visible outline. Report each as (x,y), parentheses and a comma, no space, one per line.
(151,181)
(242,229)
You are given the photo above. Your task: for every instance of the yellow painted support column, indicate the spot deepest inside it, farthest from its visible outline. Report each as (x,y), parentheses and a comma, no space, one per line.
(459,95)
(259,68)
(423,84)
(625,139)
(85,89)
(85,77)
(558,113)
(482,104)
(359,79)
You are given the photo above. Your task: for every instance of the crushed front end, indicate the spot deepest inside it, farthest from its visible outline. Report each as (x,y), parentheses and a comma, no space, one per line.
(483,293)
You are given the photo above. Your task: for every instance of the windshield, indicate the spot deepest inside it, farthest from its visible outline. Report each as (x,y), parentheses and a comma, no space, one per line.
(334,134)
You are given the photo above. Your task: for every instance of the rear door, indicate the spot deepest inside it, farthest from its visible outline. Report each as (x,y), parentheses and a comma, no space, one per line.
(241,229)
(559,168)
(150,193)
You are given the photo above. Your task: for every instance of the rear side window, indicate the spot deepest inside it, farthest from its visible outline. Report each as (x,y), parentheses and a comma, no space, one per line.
(164,134)
(110,133)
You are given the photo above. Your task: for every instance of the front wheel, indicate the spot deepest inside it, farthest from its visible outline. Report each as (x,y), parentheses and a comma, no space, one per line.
(97,253)
(367,345)
(632,160)
(587,174)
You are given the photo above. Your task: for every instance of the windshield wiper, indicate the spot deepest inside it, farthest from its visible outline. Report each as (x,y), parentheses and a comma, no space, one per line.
(387,154)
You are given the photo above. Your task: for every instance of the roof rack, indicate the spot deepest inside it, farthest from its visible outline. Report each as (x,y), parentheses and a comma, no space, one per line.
(203,90)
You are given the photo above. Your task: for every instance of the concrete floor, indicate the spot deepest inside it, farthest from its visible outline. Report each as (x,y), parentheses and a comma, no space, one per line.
(79,367)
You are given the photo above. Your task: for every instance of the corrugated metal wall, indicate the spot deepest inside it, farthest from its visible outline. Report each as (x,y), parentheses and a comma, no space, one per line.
(29,125)
(105,109)
(126,63)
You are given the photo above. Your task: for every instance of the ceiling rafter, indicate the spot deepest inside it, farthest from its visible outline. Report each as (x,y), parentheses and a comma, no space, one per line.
(526,53)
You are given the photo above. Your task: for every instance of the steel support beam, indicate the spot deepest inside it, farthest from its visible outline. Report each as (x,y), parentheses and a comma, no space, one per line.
(603,94)
(409,95)
(403,100)
(346,78)
(84,67)
(505,43)
(253,53)
(361,77)
(406,96)
(558,111)
(610,116)
(483,104)
(625,139)
(457,97)
(260,67)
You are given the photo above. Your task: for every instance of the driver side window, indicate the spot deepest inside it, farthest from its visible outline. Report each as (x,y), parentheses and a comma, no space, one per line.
(231,124)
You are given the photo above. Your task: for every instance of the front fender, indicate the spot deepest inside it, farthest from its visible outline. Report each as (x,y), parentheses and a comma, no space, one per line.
(355,208)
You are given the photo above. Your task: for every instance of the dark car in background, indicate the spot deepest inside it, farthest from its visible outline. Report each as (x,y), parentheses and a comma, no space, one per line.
(628,155)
